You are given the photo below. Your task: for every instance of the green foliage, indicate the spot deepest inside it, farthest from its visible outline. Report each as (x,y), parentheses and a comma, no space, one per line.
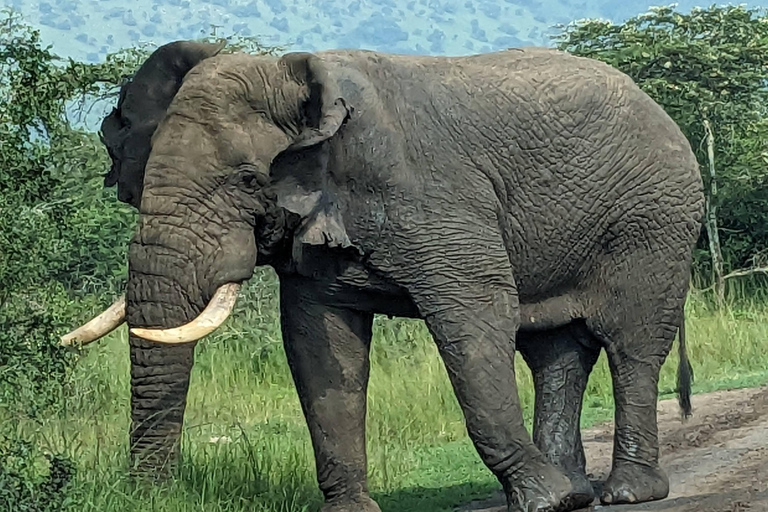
(707,64)
(22,486)
(61,238)
(56,243)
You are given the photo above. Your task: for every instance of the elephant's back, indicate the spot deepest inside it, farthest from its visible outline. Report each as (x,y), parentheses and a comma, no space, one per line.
(578,155)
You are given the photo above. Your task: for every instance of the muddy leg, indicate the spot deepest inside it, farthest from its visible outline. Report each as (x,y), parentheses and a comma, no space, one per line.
(456,269)
(637,327)
(327,350)
(636,476)
(561,361)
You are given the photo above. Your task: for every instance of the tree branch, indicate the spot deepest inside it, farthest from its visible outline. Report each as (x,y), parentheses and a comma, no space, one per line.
(739,273)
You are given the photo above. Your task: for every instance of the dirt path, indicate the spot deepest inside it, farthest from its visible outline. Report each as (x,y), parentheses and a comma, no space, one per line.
(717,461)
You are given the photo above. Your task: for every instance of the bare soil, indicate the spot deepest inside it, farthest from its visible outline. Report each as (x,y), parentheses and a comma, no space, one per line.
(717,461)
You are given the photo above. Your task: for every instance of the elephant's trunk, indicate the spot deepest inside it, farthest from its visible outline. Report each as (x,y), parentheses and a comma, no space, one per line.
(159,373)
(188,245)
(159,384)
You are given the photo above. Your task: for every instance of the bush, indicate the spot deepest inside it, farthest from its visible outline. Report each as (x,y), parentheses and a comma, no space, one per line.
(57,248)
(31,481)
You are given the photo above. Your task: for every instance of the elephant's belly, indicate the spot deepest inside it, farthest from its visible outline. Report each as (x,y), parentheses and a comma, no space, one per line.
(349,284)
(551,313)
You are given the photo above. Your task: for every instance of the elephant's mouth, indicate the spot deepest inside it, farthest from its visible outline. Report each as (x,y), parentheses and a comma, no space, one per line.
(218,310)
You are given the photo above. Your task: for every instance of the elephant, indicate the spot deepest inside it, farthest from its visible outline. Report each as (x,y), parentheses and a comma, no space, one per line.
(526,199)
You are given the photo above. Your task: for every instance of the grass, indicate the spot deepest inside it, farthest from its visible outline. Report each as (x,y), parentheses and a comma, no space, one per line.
(246,447)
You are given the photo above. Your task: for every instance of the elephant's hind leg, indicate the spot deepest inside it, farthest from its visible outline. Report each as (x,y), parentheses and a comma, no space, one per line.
(637,325)
(465,291)
(561,360)
(328,353)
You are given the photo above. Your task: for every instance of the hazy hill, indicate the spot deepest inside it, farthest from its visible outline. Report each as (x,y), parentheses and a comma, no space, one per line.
(88,29)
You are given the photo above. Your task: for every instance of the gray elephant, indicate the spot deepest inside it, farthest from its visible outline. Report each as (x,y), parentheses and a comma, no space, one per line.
(526,199)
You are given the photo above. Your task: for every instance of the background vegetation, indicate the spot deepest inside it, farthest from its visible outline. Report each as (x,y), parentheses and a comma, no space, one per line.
(64,416)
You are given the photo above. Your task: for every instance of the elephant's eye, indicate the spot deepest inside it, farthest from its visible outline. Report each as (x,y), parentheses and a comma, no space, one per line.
(249,179)
(249,182)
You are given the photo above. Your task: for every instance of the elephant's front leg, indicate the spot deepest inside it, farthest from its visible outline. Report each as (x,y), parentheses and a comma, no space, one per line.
(327,350)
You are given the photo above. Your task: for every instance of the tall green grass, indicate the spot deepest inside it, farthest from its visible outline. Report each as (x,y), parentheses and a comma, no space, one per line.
(246,447)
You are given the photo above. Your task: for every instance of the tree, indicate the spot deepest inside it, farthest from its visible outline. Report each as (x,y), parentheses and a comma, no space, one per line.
(708,70)
(62,237)
(61,234)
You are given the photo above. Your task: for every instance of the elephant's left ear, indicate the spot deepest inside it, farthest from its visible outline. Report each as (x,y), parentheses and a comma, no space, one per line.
(324,110)
(127,131)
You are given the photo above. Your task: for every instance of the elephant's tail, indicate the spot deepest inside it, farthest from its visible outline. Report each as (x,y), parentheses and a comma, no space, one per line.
(684,374)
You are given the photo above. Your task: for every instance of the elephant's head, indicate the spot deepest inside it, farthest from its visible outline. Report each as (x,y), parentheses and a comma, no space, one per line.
(211,205)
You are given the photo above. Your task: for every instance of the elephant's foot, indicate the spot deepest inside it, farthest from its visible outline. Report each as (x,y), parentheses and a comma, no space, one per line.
(362,503)
(539,488)
(582,494)
(634,483)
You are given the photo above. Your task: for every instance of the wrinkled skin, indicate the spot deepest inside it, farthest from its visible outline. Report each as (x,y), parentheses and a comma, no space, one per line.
(525,200)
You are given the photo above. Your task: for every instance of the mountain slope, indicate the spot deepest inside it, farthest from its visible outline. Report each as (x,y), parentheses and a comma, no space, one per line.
(89,29)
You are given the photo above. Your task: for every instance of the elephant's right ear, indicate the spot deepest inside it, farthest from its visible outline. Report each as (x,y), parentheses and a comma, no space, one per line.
(324,110)
(127,131)
(299,175)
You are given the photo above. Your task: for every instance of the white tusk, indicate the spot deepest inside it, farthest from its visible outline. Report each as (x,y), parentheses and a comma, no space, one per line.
(217,311)
(98,327)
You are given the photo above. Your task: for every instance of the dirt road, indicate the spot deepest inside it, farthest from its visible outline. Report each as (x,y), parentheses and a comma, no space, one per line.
(717,461)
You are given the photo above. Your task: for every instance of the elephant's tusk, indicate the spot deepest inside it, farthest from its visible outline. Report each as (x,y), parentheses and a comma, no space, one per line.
(99,326)
(217,311)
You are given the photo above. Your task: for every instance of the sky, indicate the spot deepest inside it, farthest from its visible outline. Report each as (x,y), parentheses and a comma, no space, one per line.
(89,29)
